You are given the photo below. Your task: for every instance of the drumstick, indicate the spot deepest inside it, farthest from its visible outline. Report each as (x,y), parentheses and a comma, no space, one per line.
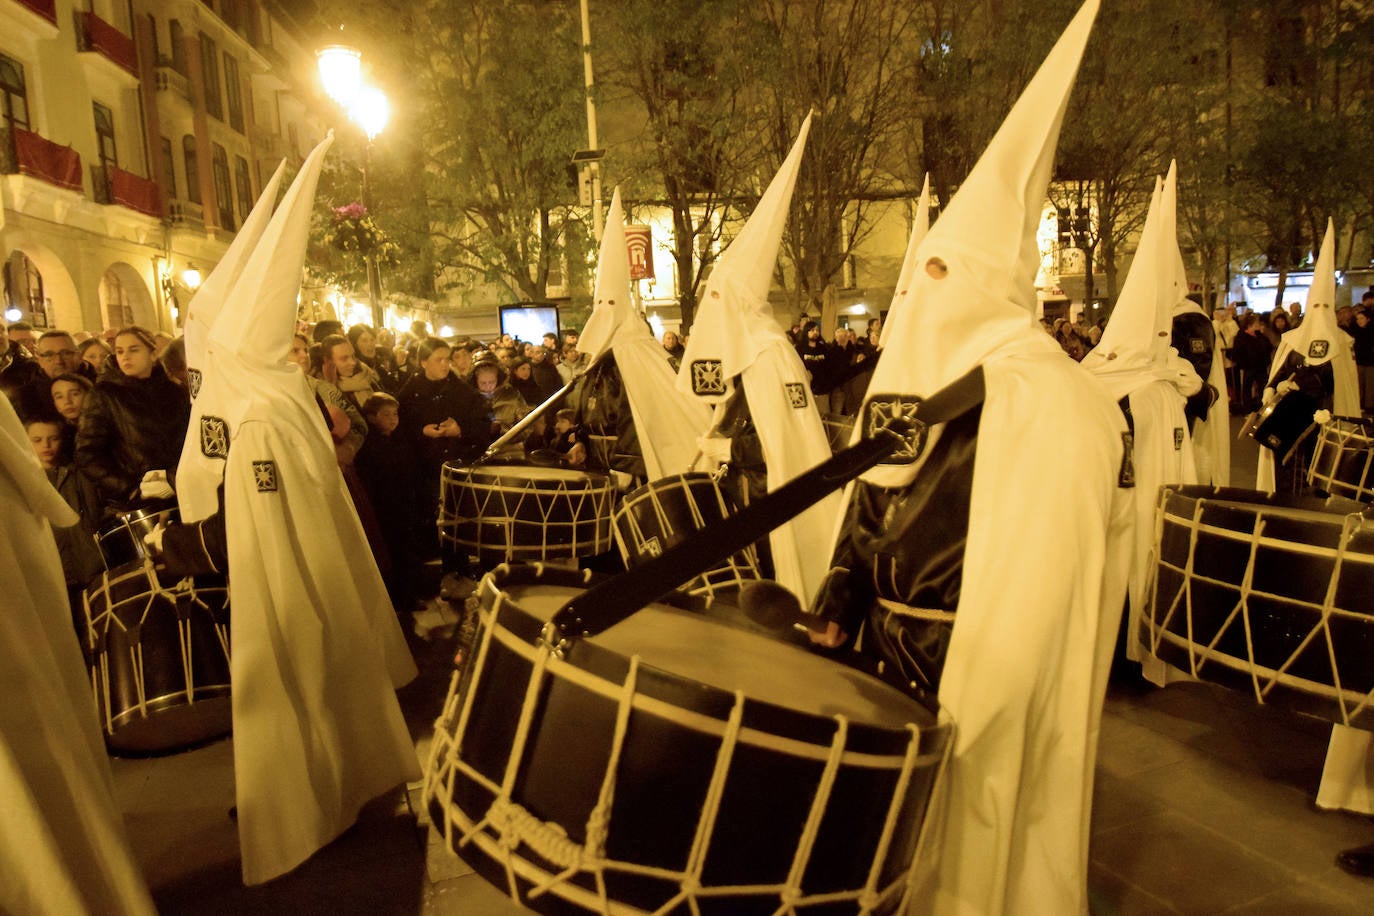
(772,606)
(607,603)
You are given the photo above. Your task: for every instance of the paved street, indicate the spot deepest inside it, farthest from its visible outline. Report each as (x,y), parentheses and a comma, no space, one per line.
(1203,805)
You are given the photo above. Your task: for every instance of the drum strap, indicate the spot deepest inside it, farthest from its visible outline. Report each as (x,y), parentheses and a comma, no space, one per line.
(615,599)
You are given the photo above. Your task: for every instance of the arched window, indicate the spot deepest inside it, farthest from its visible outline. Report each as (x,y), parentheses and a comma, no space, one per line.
(114,301)
(188,151)
(24,287)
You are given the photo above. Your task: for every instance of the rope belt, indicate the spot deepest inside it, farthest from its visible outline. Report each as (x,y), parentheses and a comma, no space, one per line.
(916,613)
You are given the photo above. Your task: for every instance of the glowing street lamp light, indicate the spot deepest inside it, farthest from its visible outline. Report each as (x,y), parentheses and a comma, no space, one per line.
(341,72)
(191,277)
(370,111)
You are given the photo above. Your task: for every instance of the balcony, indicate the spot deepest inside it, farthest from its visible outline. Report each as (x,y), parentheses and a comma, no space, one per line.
(267,144)
(186,213)
(113,185)
(105,51)
(24,152)
(34,19)
(171,80)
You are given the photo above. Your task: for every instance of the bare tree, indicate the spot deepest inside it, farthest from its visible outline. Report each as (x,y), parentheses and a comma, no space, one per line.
(678,70)
(849,62)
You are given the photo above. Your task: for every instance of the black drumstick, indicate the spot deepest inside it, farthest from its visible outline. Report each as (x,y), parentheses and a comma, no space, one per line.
(773,607)
(615,599)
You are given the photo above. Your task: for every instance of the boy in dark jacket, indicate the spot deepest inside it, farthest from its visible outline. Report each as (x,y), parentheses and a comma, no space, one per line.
(384,464)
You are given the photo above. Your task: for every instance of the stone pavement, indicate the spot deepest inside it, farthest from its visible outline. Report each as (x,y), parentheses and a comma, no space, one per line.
(1203,805)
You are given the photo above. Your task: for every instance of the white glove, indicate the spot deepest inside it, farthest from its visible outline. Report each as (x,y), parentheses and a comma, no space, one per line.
(1268,396)
(715,448)
(1287,385)
(1321,417)
(155,486)
(154,538)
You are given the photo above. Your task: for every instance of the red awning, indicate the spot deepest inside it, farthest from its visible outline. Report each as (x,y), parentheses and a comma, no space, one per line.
(129,190)
(42,158)
(110,41)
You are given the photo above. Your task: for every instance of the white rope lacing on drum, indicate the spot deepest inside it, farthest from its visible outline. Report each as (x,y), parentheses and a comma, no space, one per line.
(1264,679)
(506,825)
(690,885)
(792,891)
(869,898)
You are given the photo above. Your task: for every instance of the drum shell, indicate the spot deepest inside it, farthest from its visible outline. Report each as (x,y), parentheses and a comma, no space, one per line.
(158,656)
(121,540)
(666,512)
(1283,422)
(512,513)
(664,776)
(1269,595)
(1343,460)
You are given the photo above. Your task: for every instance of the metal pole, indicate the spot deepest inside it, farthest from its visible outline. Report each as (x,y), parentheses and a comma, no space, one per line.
(595,167)
(374,277)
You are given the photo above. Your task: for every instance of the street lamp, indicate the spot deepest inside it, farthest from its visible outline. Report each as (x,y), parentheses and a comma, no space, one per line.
(341,74)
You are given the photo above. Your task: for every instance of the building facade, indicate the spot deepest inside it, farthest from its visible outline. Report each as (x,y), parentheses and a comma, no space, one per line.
(135,138)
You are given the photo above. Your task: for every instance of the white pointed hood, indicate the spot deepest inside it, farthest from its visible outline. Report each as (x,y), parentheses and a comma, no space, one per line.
(246,355)
(974,278)
(920,226)
(666,421)
(734,321)
(1318,338)
(973,286)
(612,300)
(206,305)
(1135,343)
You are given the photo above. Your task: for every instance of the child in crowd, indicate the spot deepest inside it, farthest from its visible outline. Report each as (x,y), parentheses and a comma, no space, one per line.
(51,442)
(384,464)
(570,438)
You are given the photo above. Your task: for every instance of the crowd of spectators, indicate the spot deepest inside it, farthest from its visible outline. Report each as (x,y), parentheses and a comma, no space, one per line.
(107,415)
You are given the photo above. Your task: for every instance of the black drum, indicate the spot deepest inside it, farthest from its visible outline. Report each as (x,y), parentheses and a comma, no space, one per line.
(665,512)
(676,763)
(508,513)
(121,540)
(1343,461)
(158,654)
(1270,595)
(1283,422)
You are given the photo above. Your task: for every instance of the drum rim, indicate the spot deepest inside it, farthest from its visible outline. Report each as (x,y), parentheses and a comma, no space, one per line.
(463,473)
(1256,499)
(651,487)
(863,737)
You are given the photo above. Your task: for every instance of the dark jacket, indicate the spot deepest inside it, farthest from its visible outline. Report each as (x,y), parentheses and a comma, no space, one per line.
(129,427)
(18,373)
(424,402)
(76,545)
(825,366)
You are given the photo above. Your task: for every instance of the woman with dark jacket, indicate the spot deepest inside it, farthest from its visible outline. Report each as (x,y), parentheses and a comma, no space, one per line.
(443,416)
(133,423)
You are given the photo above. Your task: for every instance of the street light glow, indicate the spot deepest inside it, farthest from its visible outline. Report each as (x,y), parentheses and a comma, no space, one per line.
(341,72)
(13,314)
(191,277)
(370,111)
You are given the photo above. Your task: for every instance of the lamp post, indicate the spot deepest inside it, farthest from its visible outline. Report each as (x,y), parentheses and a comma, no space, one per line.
(340,69)
(371,111)
(594,166)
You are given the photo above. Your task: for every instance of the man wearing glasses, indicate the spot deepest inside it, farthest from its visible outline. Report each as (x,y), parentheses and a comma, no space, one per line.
(55,353)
